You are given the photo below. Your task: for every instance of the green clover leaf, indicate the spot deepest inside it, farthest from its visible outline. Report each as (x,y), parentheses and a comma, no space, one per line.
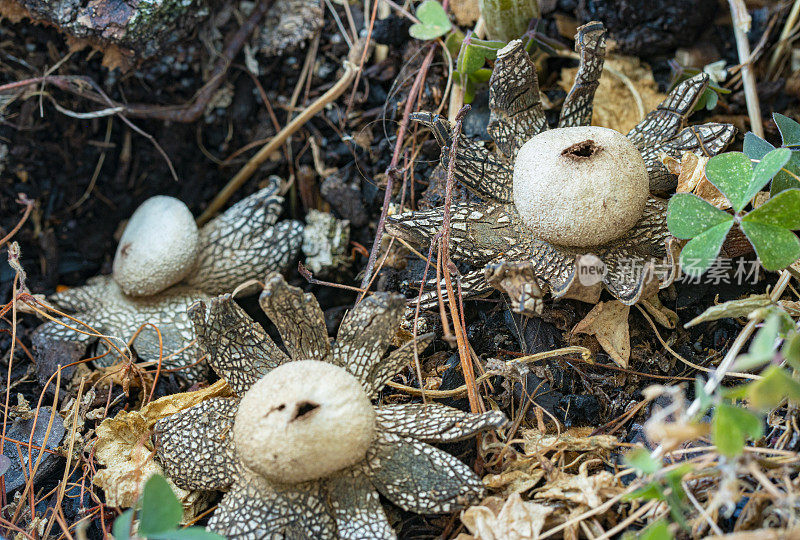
(159,513)
(770,165)
(434,21)
(476,53)
(732,173)
(699,253)
(769,228)
(688,215)
(774,385)
(756,148)
(731,426)
(782,210)
(787,178)
(161,509)
(775,246)
(790,130)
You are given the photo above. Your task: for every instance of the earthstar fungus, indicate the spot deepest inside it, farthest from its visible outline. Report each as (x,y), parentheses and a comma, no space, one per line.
(300,450)
(162,265)
(526,231)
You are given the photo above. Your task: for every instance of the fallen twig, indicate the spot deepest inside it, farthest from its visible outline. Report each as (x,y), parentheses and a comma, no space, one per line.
(411,101)
(741,25)
(783,39)
(261,156)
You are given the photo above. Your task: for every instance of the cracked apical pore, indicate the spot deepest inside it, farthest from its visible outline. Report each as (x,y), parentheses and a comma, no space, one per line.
(302,421)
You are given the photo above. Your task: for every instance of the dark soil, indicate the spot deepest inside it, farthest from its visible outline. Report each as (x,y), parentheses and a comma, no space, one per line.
(88,175)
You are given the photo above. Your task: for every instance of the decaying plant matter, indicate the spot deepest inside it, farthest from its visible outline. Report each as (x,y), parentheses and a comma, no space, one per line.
(238,245)
(498,240)
(300,449)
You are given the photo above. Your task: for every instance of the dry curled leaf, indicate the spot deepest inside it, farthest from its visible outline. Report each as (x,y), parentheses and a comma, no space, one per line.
(124,449)
(524,475)
(572,440)
(692,178)
(742,307)
(608,322)
(513,519)
(614,104)
(582,488)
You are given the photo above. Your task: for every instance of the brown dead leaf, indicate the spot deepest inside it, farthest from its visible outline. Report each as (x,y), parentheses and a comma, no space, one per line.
(692,178)
(582,488)
(123,447)
(513,519)
(608,322)
(672,434)
(577,439)
(515,480)
(466,12)
(614,105)
(660,313)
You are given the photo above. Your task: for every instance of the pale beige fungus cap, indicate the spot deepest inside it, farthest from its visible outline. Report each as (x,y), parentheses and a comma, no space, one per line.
(303,420)
(158,247)
(580,186)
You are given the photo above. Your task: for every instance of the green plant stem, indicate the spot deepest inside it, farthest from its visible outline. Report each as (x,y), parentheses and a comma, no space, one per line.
(508,19)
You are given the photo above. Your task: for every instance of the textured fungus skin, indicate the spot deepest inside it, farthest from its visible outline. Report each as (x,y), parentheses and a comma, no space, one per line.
(491,235)
(158,247)
(580,186)
(303,420)
(240,244)
(197,446)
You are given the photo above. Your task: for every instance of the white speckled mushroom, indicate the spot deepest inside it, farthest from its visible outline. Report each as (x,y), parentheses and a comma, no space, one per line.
(302,421)
(580,186)
(158,247)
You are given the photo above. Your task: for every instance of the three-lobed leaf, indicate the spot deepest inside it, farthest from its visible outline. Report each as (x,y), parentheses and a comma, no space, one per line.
(434,21)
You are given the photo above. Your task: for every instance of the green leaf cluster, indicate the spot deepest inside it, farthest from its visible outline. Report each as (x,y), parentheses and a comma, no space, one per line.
(665,487)
(710,96)
(756,148)
(768,228)
(471,56)
(159,512)
(731,426)
(433,21)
